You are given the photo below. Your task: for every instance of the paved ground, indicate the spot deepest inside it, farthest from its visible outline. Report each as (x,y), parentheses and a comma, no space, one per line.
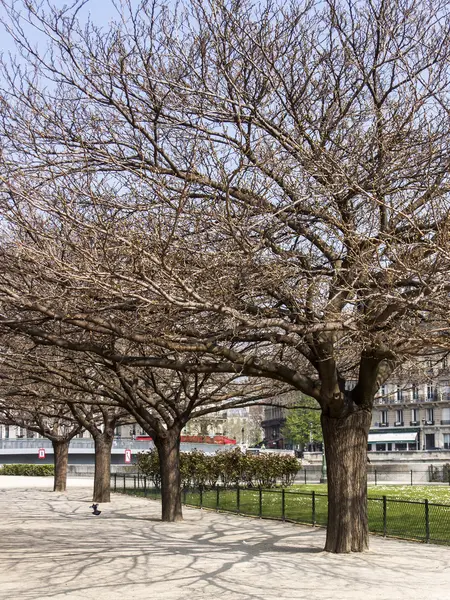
(53,548)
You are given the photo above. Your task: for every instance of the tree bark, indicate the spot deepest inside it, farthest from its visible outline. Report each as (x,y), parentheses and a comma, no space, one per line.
(61,461)
(103,444)
(169,459)
(345,442)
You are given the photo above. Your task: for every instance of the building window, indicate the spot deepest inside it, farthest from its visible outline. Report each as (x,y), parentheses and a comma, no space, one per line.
(430,415)
(6,432)
(399,417)
(415,392)
(445,416)
(384,417)
(399,394)
(447,441)
(430,392)
(415,415)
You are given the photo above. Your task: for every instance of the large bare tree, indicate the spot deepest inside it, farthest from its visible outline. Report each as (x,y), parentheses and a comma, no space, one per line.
(260,191)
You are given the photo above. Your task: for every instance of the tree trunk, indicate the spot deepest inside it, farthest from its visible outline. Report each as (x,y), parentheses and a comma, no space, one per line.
(61,461)
(346,454)
(169,460)
(103,444)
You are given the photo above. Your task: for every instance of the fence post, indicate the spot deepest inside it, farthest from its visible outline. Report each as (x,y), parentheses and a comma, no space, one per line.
(305,476)
(313,507)
(115,481)
(427,522)
(375,477)
(184,495)
(238,499)
(260,502)
(384,516)
(134,481)
(217,498)
(411,477)
(283,505)
(124,482)
(201,497)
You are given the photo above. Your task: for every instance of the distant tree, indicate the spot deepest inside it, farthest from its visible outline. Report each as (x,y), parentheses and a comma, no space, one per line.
(303,425)
(34,410)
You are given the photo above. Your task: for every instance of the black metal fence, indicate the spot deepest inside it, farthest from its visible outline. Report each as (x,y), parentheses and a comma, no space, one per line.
(405,519)
(395,474)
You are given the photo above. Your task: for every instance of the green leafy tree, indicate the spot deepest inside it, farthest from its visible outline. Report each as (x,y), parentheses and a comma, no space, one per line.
(303,425)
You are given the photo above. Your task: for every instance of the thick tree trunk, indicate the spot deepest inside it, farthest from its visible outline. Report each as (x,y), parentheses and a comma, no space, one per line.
(169,460)
(103,444)
(61,461)
(346,453)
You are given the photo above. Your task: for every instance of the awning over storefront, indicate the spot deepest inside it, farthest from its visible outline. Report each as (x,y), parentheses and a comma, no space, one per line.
(397,437)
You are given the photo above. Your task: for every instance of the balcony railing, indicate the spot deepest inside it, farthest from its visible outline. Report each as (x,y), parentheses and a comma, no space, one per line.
(399,424)
(445,421)
(408,398)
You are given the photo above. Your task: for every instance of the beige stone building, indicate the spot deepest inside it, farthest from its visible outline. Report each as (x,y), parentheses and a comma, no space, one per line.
(412,415)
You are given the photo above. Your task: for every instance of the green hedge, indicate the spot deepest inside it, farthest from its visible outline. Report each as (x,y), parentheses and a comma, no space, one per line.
(28,470)
(231,468)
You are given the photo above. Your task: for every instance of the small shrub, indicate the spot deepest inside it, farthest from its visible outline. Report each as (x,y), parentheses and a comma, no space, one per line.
(28,470)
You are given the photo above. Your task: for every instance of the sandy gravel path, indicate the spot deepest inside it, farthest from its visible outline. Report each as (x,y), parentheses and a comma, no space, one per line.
(53,548)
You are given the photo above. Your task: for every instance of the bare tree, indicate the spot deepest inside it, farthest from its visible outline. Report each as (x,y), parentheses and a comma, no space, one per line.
(237,190)
(101,394)
(34,410)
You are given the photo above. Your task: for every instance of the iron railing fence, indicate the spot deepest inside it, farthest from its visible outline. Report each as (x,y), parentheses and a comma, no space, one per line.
(405,519)
(395,474)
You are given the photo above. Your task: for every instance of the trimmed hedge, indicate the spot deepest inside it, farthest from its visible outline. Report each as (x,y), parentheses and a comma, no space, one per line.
(28,470)
(231,468)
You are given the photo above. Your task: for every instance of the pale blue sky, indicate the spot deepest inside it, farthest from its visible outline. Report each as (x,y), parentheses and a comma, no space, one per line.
(101,12)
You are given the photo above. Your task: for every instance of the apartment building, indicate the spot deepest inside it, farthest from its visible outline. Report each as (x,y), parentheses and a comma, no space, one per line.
(412,416)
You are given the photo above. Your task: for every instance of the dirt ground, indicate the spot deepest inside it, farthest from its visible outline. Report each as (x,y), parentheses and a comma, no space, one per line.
(52,547)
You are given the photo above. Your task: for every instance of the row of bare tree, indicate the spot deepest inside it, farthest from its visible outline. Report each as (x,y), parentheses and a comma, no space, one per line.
(224,190)
(58,393)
